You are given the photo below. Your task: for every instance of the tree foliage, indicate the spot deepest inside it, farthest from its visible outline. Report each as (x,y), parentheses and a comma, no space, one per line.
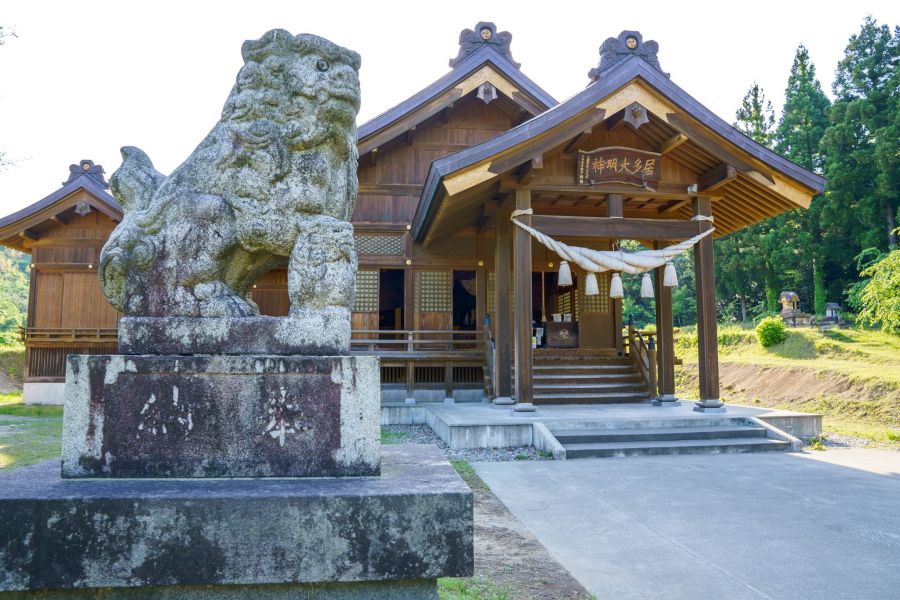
(13,293)
(880,298)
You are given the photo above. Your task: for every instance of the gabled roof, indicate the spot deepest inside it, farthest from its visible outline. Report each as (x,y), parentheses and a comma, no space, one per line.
(628,70)
(473,57)
(32,219)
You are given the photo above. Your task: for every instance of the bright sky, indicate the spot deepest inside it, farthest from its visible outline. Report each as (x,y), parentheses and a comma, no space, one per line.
(83,79)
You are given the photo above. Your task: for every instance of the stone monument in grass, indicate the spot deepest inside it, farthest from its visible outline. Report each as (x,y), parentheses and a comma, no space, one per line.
(224,454)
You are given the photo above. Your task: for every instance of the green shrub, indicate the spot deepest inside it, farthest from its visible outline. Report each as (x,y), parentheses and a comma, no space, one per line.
(770,331)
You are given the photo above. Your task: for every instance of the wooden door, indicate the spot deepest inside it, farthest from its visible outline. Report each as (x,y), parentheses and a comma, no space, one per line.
(595,317)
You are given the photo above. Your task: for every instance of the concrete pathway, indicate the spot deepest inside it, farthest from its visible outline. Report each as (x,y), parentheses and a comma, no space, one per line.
(735,526)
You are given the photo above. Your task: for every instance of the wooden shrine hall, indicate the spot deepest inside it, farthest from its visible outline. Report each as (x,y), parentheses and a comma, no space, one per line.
(469,192)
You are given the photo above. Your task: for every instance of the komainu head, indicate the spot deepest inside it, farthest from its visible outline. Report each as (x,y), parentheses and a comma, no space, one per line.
(306,84)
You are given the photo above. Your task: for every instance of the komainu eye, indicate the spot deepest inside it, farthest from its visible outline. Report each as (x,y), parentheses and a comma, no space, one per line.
(322,65)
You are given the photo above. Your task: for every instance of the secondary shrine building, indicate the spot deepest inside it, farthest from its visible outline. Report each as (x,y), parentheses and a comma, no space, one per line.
(457,298)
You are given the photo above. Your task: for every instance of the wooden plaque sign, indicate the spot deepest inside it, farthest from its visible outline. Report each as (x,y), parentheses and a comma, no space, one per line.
(618,165)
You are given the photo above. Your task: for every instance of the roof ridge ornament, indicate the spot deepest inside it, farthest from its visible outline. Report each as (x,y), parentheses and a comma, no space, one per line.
(615,50)
(86,167)
(484,34)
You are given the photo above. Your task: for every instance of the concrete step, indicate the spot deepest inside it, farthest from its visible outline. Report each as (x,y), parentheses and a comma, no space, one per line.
(713,446)
(599,436)
(585,377)
(586,387)
(539,368)
(590,398)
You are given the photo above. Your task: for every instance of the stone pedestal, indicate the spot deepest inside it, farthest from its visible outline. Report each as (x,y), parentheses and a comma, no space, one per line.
(221,416)
(351,537)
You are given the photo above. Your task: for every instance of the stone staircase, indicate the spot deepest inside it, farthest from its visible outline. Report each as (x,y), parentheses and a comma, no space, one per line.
(585,378)
(682,436)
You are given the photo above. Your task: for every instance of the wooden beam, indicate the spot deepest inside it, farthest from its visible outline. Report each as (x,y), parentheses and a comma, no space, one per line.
(673,205)
(531,169)
(540,145)
(373,157)
(578,140)
(523,309)
(615,228)
(615,206)
(410,133)
(390,189)
(667,191)
(716,177)
(705,282)
(401,126)
(673,142)
(28,234)
(59,218)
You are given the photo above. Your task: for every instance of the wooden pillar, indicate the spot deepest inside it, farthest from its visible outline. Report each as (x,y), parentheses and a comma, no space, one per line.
(523,312)
(500,319)
(665,348)
(615,209)
(618,324)
(707,342)
(480,296)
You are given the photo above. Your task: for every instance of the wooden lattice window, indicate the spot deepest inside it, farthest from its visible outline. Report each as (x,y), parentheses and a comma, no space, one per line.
(380,245)
(434,291)
(366,291)
(564,303)
(600,302)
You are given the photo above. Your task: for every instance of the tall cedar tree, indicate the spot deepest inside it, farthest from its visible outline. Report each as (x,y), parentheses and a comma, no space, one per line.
(798,137)
(862,150)
(745,279)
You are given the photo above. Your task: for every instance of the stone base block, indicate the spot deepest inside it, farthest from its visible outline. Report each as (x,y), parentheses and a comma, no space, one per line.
(221,416)
(314,333)
(417,589)
(414,522)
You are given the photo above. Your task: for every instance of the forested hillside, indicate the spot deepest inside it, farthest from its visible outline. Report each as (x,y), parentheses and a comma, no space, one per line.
(13,294)
(848,237)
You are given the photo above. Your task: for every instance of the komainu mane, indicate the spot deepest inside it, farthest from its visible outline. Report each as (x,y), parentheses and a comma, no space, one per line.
(273,184)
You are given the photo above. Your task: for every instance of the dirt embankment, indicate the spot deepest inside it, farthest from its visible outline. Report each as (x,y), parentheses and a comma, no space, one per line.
(804,389)
(507,553)
(12,362)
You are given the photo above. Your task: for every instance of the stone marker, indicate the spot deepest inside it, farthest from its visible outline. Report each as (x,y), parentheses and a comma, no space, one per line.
(205,387)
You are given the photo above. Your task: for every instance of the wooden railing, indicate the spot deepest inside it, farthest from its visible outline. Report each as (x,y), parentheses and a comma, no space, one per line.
(373,341)
(425,359)
(48,335)
(490,348)
(642,348)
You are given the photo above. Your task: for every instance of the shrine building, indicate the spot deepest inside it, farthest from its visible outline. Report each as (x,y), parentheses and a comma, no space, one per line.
(488,227)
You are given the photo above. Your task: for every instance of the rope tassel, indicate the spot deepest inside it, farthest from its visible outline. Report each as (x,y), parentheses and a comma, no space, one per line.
(670,276)
(646,286)
(565,274)
(590,285)
(615,286)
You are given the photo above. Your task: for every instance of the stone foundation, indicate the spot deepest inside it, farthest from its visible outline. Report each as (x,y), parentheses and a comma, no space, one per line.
(324,332)
(409,526)
(221,416)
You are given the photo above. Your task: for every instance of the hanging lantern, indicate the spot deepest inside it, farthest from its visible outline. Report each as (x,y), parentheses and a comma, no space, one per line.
(590,286)
(646,286)
(670,276)
(565,274)
(615,287)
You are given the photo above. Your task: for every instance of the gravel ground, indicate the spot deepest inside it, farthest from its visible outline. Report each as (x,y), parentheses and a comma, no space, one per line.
(835,440)
(422,434)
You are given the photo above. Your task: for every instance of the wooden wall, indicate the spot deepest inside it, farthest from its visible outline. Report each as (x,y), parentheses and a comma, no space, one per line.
(65,294)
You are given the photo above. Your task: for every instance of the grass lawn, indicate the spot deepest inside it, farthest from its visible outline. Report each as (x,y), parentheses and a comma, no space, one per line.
(27,441)
(850,376)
